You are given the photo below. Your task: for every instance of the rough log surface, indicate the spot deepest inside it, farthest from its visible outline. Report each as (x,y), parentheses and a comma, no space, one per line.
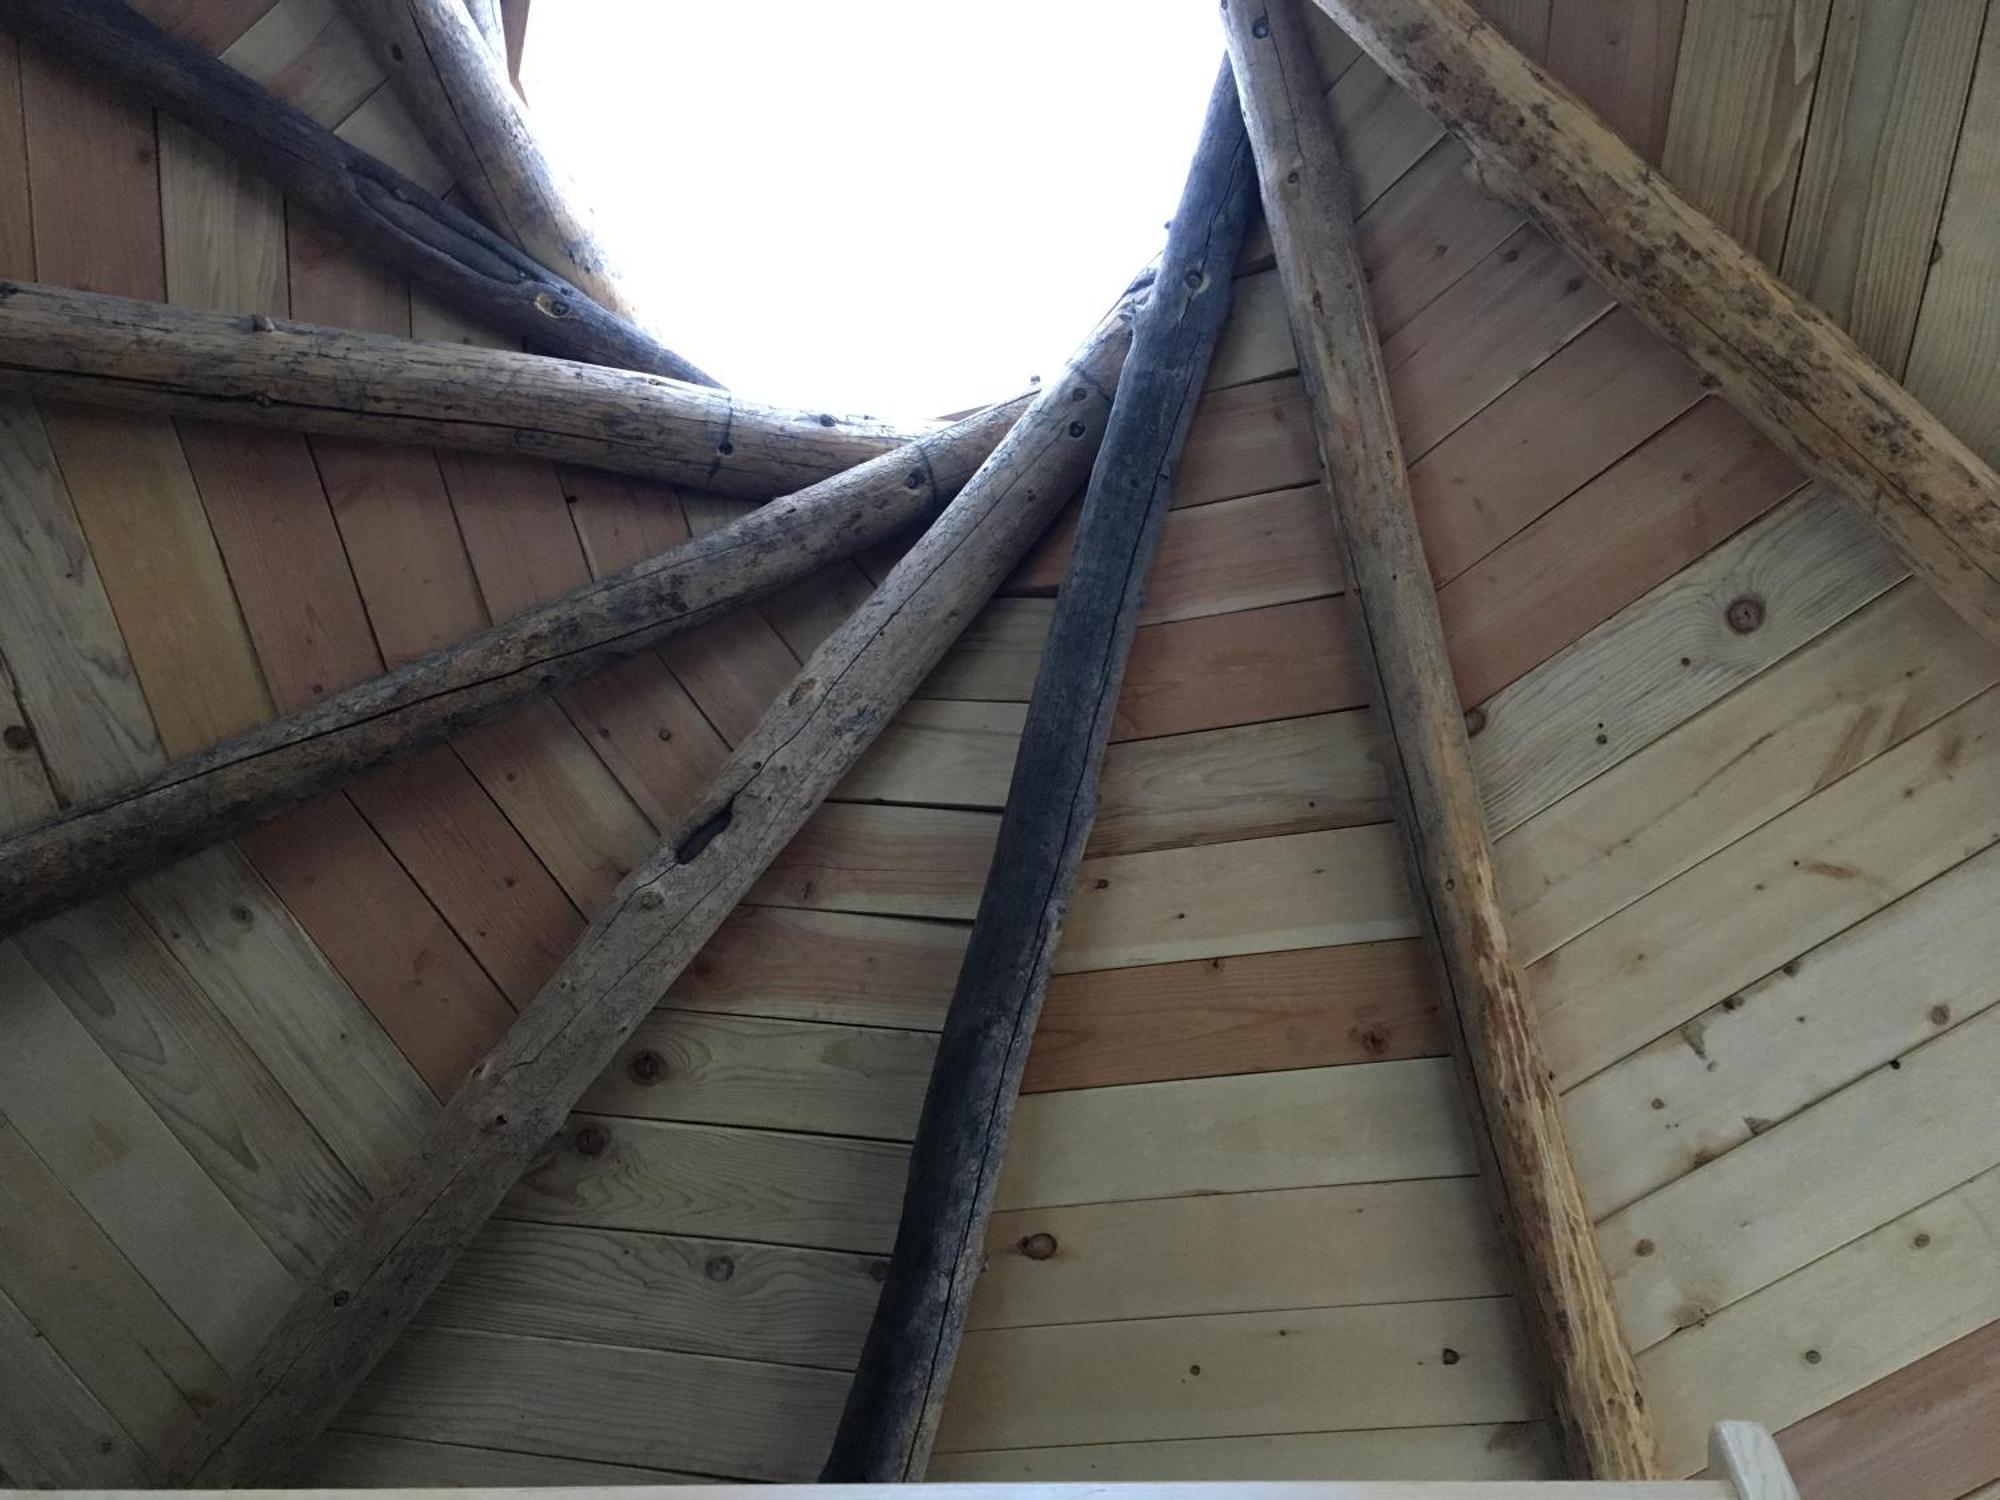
(893,1406)
(513,1107)
(244,781)
(112,351)
(1785,364)
(375,208)
(455,82)
(1569,1310)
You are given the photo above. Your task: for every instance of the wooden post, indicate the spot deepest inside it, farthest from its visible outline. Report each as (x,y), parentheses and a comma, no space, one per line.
(514,1105)
(1745,1454)
(1567,1297)
(456,85)
(244,781)
(1786,365)
(898,1392)
(371,206)
(111,351)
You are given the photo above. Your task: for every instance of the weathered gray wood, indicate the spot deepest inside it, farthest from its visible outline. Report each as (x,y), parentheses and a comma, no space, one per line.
(513,1107)
(893,1406)
(374,208)
(259,774)
(1599,1407)
(112,351)
(1783,363)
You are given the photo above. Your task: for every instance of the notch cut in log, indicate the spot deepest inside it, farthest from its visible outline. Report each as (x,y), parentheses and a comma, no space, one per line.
(1783,363)
(1566,1295)
(893,1406)
(371,206)
(514,1105)
(257,775)
(113,351)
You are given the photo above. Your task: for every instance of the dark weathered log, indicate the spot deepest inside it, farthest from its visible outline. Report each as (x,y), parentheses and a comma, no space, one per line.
(1783,363)
(109,351)
(898,1392)
(372,207)
(456,85)
(1568,1305)
(234,785)
(512,1108)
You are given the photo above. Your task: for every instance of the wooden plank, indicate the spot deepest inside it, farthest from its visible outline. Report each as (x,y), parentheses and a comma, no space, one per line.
(1422,236)
(308,53)
(1375,1242)
(1957,331)
(1670,654)
(1861,688)
(1247,440)
(1475,1452)
(1878,155)
(995,657)
(894,861)
(57,1433)
(1301,890)
(1742,96)
(1879,1302)
(223,229)
(1832,860)
(1896,1139)
(1260,1012)
(734,1418)
(368,1462)
(1411,1364)
(786,1189)
(17,241)
(738,1300)
(768,1074)
(942,753)
(25,793)
(1619,59)
(204,22)
(1316,1127)
(1706,477)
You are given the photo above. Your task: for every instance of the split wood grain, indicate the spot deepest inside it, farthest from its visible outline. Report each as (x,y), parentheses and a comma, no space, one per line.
(1801,380)
(1571,1319)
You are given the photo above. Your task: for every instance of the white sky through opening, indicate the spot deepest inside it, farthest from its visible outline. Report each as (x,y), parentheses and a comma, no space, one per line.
(902,207)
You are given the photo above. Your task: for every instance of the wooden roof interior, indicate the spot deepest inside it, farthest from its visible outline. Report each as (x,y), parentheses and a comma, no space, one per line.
(1740,771)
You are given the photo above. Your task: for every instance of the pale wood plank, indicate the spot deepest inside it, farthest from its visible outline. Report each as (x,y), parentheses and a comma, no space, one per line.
(1742,95)
(1667,656)
(1898,1138)
(26,795)
(1480,1453)
(1861,688)
(1356,1002)
(731,1417)
(786,1189)
(1301,890)
(1835,858)
(940,752)
(213,24)
(995,657)
(1411,1364)
(886,860)
(56,1433)
(223,228)
(1168,1257)
(308,54)
(365,1461)
(1317,1127)
(1619,59)
(777,1303)
(768,1074)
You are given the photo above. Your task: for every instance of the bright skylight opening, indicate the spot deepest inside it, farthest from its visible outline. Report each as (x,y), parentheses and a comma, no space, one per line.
(901,207)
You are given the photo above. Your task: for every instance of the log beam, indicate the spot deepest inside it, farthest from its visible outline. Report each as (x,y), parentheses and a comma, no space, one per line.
(112,351)
(1566,1294)
(372,206)
(1785,364)
(898,1392)
(514,1105)
(256,776)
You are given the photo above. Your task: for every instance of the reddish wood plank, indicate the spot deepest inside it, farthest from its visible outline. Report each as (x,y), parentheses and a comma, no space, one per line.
(94,164)
(17,244)
(1359,1002)
(1248,439)
(1619,59)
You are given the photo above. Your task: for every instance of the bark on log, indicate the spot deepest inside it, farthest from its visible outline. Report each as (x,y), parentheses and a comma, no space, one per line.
(1784,364)
(110,351)
(373,207)
(456,85)
(244,781)
(513,1107)
(1566,1294)
(893,1406)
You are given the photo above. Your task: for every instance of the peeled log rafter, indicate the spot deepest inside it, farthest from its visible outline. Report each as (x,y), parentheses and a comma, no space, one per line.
(1784,364)
(246,780)
(898,1392)
(513,1107)
(110,351)
(373,207)
(1569,1312)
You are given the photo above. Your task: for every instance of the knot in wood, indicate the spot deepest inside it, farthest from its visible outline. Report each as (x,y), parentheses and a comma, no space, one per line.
(1744,614)
(1077,429)
(1038,1246)
(719,1268)
(592,1140)
(17,737)
(1261,27)
(1475,721)
(647,1067)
